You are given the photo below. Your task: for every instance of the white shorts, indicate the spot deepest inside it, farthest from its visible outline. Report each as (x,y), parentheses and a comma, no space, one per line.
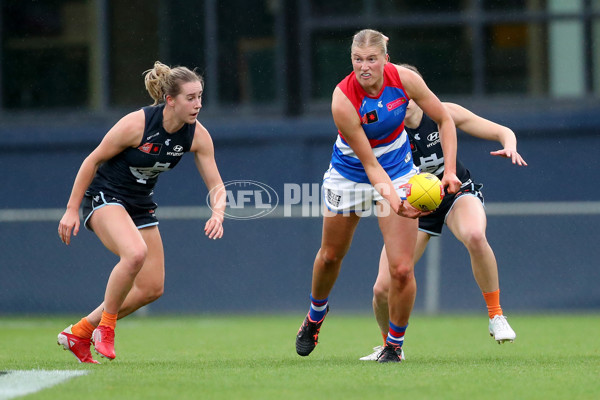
(342,195)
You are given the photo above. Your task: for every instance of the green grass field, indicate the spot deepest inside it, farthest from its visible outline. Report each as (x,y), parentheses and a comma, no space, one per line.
(253,357)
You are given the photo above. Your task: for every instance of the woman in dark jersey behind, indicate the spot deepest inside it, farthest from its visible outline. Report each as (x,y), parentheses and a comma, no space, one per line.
(114,188)
(462,211)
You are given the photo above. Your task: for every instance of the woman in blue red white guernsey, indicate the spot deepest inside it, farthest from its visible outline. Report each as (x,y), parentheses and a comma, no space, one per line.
(462,212)
(371,160)
(114,188)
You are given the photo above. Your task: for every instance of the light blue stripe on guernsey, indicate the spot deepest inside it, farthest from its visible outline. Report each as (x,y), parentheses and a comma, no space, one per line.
(396,163)
(104,203)
(147,225)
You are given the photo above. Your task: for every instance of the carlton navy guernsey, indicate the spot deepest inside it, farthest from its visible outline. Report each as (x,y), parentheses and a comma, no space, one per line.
(133,173)
(427,150)
(382,119)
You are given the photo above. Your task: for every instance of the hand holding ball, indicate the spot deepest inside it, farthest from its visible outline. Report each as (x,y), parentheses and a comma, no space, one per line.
(424,191)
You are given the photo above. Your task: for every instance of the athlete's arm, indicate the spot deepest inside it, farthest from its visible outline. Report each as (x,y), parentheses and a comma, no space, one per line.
(418,91)
(204,156)
(127,132)
(347,121)
(477,126)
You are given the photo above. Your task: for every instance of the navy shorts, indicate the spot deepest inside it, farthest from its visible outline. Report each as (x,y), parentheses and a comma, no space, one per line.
(434,222)
(142,216)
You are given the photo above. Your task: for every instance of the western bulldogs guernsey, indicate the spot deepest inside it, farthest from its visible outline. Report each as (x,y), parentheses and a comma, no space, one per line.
(134,172)
(427,150)
(383,122)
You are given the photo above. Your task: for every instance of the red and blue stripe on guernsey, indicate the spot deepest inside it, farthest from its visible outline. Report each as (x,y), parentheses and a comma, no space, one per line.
(382,119)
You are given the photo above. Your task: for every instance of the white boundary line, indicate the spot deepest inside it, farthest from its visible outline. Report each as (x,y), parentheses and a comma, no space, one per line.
(20,383)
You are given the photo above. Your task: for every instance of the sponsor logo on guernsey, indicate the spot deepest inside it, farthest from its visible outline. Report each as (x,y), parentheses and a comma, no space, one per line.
(177,151)
(150,148)
(433,138)
(370,117)
(395,103)
(153,135)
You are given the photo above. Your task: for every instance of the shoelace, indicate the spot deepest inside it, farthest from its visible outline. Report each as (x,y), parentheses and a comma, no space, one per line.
(106,338)
(501,322)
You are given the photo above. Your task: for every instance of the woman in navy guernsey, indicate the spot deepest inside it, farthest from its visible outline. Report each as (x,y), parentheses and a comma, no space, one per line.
(371,160)
(462,211)
(114,188)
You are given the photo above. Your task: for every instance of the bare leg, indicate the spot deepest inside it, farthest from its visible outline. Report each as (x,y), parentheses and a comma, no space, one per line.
(467,221)
(338,230)
(149,282)
(382,284)
(400,238)
(119,234)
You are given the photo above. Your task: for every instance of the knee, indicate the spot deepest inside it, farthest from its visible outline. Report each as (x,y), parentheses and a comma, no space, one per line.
(330,256)
(401,273)
(135,257)
(380,292)
(475,240)
(150,293)
(154,293)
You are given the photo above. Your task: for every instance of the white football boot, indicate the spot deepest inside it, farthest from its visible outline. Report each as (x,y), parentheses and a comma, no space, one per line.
(501,330)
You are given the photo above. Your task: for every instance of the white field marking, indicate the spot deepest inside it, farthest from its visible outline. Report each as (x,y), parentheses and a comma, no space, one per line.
(20,383)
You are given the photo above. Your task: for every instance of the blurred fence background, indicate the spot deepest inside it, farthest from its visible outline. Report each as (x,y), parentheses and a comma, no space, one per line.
(70,69)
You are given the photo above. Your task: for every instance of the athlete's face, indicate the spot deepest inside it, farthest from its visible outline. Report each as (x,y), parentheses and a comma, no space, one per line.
(189,101)
(368,63)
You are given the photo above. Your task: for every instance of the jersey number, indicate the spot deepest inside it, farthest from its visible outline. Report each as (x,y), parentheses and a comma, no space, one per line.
(143,174)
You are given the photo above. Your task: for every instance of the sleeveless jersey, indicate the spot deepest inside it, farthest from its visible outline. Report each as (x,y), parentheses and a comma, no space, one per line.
(427,150)
(134,172)
(382,119)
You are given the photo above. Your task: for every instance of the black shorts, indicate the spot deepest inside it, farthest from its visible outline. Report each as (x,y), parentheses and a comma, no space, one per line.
(142,216)
(434,222)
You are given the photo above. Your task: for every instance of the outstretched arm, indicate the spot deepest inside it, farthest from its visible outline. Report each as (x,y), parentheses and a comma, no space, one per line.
(477,126)
(204,156)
